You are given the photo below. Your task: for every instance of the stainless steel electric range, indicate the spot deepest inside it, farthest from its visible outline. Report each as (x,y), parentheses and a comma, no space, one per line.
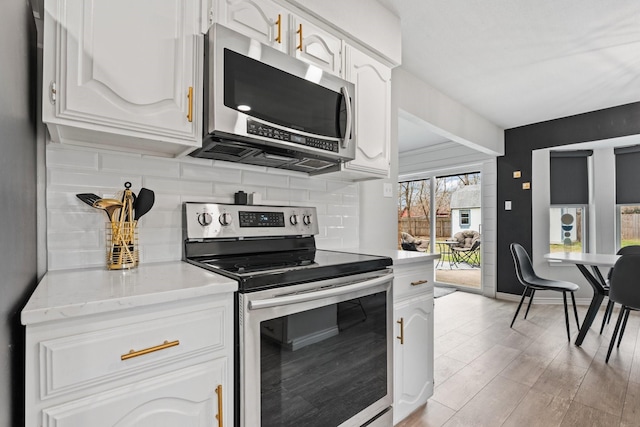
(313,327)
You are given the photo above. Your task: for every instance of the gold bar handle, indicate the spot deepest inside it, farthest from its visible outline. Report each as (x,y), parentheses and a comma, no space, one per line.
(419,282)
(219,415)
(190,97)
(134,353)
(299,47)
(279,24)
(401,323)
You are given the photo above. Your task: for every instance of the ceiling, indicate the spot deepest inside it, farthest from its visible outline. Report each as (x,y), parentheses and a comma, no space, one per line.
(518,62)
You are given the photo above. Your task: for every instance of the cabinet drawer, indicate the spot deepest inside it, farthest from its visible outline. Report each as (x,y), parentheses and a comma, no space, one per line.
(412,280)
(88,359)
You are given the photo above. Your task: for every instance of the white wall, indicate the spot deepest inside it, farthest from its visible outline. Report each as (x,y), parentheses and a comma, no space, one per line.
(446,116)
(76,232)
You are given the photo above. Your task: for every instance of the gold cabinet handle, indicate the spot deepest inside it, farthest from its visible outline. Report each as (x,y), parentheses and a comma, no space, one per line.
(134,353)
(401,323)
(419,282)
(190,97)
(279,24)
(219,415)
(299,32)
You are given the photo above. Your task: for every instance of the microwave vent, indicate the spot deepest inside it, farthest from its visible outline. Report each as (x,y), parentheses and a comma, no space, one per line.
(314,164)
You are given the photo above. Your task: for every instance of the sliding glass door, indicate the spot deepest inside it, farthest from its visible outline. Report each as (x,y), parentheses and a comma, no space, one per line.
(443,214)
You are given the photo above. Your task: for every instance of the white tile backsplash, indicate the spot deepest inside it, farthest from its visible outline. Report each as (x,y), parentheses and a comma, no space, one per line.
(76,232)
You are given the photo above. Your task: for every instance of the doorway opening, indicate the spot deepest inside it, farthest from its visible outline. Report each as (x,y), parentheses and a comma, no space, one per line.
(443,214)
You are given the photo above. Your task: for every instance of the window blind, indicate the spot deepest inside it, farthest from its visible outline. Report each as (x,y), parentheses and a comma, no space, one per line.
(569,180)
(627,175)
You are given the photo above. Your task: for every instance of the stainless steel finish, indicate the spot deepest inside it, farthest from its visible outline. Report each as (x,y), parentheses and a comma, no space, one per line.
(229,125)
(347,133)
(319,291)
(226,224)
(351,287)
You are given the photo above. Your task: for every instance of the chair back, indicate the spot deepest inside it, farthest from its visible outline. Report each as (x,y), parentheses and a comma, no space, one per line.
(625,281)
(522,262)
(632,249)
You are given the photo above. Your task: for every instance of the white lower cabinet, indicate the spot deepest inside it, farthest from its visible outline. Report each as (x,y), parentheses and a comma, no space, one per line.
(186,397)
(168,364)
(413,348)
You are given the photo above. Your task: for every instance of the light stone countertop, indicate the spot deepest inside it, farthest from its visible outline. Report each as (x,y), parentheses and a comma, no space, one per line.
(399,257)
(70,293)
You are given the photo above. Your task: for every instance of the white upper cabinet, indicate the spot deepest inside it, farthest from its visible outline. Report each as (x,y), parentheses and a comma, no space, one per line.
(275,26)
(262,20)
(131,69)
(313,45)
(373,115)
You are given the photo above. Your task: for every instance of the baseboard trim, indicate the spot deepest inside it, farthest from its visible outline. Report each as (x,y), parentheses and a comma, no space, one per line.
(544,300)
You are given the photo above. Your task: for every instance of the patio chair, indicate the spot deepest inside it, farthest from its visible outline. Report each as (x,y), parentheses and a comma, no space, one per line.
(532,282)
(468,248)
(410,243)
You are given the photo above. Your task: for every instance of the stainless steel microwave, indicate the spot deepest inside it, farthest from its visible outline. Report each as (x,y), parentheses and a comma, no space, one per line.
(267,108)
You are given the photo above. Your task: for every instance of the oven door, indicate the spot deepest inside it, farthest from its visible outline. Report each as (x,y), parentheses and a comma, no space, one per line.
(317,354)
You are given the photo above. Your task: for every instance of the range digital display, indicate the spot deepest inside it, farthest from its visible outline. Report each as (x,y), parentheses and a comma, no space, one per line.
(261,219)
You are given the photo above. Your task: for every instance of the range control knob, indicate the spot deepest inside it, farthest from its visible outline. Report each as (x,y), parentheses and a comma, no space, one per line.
(205,219)
(306,219)
(293,219)
(225,218)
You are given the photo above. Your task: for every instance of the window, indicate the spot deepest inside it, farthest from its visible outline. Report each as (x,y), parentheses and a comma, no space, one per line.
(566,229)
(627,195)
(465,217)
(569,196)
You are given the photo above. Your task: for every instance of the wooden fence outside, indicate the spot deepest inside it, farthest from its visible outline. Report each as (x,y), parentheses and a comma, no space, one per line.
(630,226)
(421,227)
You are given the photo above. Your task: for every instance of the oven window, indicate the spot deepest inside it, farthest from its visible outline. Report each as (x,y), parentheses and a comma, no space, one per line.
(323,366)
(267,93)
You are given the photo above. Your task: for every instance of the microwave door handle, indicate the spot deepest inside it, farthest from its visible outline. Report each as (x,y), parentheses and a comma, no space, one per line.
(347,131)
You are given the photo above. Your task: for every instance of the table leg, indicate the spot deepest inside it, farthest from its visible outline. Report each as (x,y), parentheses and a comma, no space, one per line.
(598,295)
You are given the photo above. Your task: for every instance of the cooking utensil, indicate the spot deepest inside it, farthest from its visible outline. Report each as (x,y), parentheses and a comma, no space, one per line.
(143,203)
(108,205)
(88,198)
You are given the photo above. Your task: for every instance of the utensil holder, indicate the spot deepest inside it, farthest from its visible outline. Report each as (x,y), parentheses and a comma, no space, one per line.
(122,245)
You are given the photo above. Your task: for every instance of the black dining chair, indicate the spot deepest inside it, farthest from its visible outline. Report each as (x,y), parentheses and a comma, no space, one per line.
(624,290)
(532,283)
(632,249)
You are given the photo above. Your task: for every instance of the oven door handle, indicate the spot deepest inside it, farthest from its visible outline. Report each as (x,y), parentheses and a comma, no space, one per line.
(315,294)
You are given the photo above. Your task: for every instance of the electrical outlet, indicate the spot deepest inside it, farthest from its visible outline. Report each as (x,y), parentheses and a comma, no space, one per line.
(387,189)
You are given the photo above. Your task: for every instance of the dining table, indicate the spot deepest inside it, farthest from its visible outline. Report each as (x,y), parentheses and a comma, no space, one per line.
(594,261)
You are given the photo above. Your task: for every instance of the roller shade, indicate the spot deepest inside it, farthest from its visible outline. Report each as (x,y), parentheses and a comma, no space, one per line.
(569,180)
(627,175)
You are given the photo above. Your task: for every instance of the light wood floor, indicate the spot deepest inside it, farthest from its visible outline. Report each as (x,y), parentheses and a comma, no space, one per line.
(487,374)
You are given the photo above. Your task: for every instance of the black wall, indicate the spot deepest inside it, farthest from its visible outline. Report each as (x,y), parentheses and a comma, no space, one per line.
(515,225)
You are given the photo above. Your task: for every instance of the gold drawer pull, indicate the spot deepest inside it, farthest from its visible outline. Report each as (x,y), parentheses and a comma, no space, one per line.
(219,415)
(401,323)
(419,282)
(132,353)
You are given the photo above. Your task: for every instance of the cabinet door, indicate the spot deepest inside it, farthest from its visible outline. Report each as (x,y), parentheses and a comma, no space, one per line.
(187,397)
(373,112)
(262,20)
(133,66)
(313,45)
(413,358)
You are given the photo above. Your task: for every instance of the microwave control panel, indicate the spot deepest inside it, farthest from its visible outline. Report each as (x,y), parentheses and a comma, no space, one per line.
(266,131)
